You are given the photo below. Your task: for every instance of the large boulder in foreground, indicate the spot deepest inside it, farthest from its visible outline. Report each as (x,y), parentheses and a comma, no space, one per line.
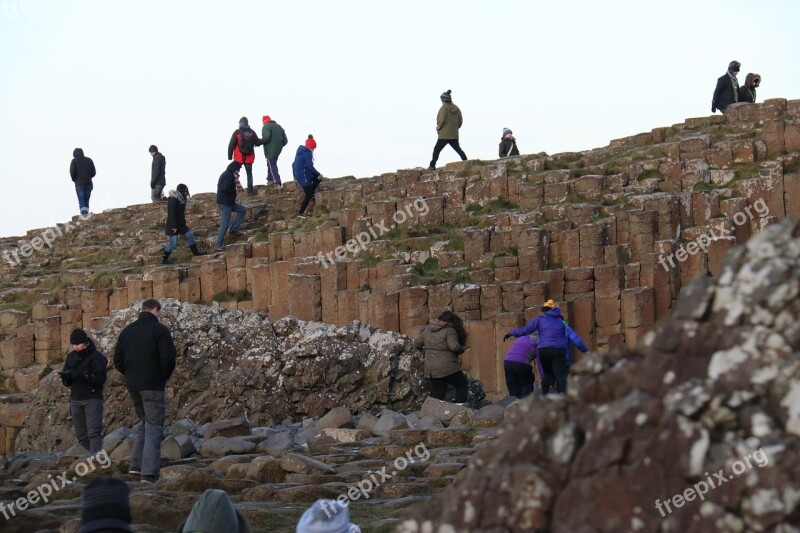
(696,429)
(234,364)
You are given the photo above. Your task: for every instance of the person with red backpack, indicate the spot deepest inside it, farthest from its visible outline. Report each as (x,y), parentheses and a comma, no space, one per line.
(241,149)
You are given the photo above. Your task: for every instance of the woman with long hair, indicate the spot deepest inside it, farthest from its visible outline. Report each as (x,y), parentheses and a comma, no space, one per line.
(444,339)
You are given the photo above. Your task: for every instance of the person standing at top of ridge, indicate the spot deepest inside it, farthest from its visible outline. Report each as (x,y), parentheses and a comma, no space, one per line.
(448,121)
(158,175)
(727,90)
(304,172)
(508,144)
(274,139)
(241,149)
(82,170)
(747,92)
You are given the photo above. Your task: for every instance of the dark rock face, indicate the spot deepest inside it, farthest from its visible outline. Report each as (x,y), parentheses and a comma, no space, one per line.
(712,393)
(239,364)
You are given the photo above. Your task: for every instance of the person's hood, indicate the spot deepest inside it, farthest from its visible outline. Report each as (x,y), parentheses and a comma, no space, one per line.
(451,108)
(213,512)
(77,152)
(301,149)
(244,127)
(178,196)
(555,313)
(234,167)
(437,325)
(750,79)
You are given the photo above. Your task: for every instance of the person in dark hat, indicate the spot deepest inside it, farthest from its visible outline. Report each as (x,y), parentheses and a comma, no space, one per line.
(448,122)
(158,175)
(85,373)
(508,144)
(228,186)
(215,513)
(727,90)
(106,506)
(747,92)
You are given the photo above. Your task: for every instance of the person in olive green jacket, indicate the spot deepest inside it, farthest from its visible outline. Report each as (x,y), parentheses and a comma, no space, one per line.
(274,139)
(448,121)
(444,340)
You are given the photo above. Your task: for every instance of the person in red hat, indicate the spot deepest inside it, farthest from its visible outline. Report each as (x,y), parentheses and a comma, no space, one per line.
(274,139)
(304,172)
(241,149)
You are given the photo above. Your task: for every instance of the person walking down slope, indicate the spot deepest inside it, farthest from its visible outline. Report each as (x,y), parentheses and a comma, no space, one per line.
(517,365)
(727,89)
(305,174)
(241,149)
(448,122)
(158,173)
(274,139)
(82,170)
(85,373)
(176,223)
(227,187)
(145,355)
(747,92)
(508,144)
(444,340)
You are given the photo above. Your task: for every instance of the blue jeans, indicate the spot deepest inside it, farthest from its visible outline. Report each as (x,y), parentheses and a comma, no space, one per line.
(83,192)
(173,241)
(225,220)
(248,167)
(150,408)
(273,176)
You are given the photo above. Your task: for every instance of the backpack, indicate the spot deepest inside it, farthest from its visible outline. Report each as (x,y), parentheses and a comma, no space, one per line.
(247,141)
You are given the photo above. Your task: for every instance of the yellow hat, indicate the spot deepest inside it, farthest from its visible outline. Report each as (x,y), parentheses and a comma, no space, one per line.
(550,303)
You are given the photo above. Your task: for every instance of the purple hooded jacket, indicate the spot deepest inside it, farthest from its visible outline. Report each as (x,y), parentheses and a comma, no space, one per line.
(523,350)
(550,327)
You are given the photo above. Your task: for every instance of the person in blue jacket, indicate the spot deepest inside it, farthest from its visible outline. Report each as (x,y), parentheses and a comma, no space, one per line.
(553,346)
(304,172)
(227,188)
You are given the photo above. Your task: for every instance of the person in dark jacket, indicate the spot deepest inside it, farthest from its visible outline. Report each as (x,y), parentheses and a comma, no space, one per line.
(747,92)
(106,506)
(448,122)
(552,346)
(176,223)
(158,175)
(145,355)
(82,170)
(84,373)
(274,139)
(227,187)
(444,340)
(517,365)
(241,149)
(304,172)
(727,89)
(508,144)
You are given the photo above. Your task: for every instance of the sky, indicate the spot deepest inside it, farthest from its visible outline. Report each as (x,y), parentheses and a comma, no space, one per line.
(363,76)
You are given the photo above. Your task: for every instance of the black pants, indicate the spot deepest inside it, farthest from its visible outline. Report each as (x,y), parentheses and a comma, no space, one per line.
(309,190)
(519,378)
(458,380)
(441,143)
(87,419)
(554,365)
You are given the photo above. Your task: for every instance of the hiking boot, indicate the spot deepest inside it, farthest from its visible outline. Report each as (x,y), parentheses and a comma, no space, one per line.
(431,168)
(150,480)
(302,215)
(195,251)
(165,257)
(134,472)
(235,232)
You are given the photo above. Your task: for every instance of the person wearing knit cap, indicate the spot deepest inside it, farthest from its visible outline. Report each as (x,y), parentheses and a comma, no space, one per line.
(158,173)
(274,139)
(85,373)
(727,89)
(228,186)
(215,513)
(305,174)
(508,144)
(241,148)
(448,122)
(106,506)
(747,92)
(326,516)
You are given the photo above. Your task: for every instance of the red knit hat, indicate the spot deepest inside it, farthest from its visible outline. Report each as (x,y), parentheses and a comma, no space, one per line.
(265,119)
(311,144)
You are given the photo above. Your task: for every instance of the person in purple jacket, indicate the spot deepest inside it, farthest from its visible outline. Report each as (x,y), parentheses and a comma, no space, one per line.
(517,365)
(553,346)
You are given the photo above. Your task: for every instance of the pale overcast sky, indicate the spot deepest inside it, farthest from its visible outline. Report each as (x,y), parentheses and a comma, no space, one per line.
(364,76)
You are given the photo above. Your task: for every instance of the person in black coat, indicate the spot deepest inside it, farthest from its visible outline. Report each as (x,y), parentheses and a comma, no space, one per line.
(508,144)
(145,355)
(227,188)
(176,223)
(727,89)
(158,175)
(85,373)
(82,170)
(747,92)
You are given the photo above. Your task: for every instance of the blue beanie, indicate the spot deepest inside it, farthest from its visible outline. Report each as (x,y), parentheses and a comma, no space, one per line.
(506,131)
(446,96)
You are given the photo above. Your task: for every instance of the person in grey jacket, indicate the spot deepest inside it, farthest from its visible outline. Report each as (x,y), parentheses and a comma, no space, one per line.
(444,340)
(158,179)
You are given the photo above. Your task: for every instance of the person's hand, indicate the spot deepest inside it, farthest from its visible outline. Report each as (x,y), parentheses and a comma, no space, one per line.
(174,230)
(505,337)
